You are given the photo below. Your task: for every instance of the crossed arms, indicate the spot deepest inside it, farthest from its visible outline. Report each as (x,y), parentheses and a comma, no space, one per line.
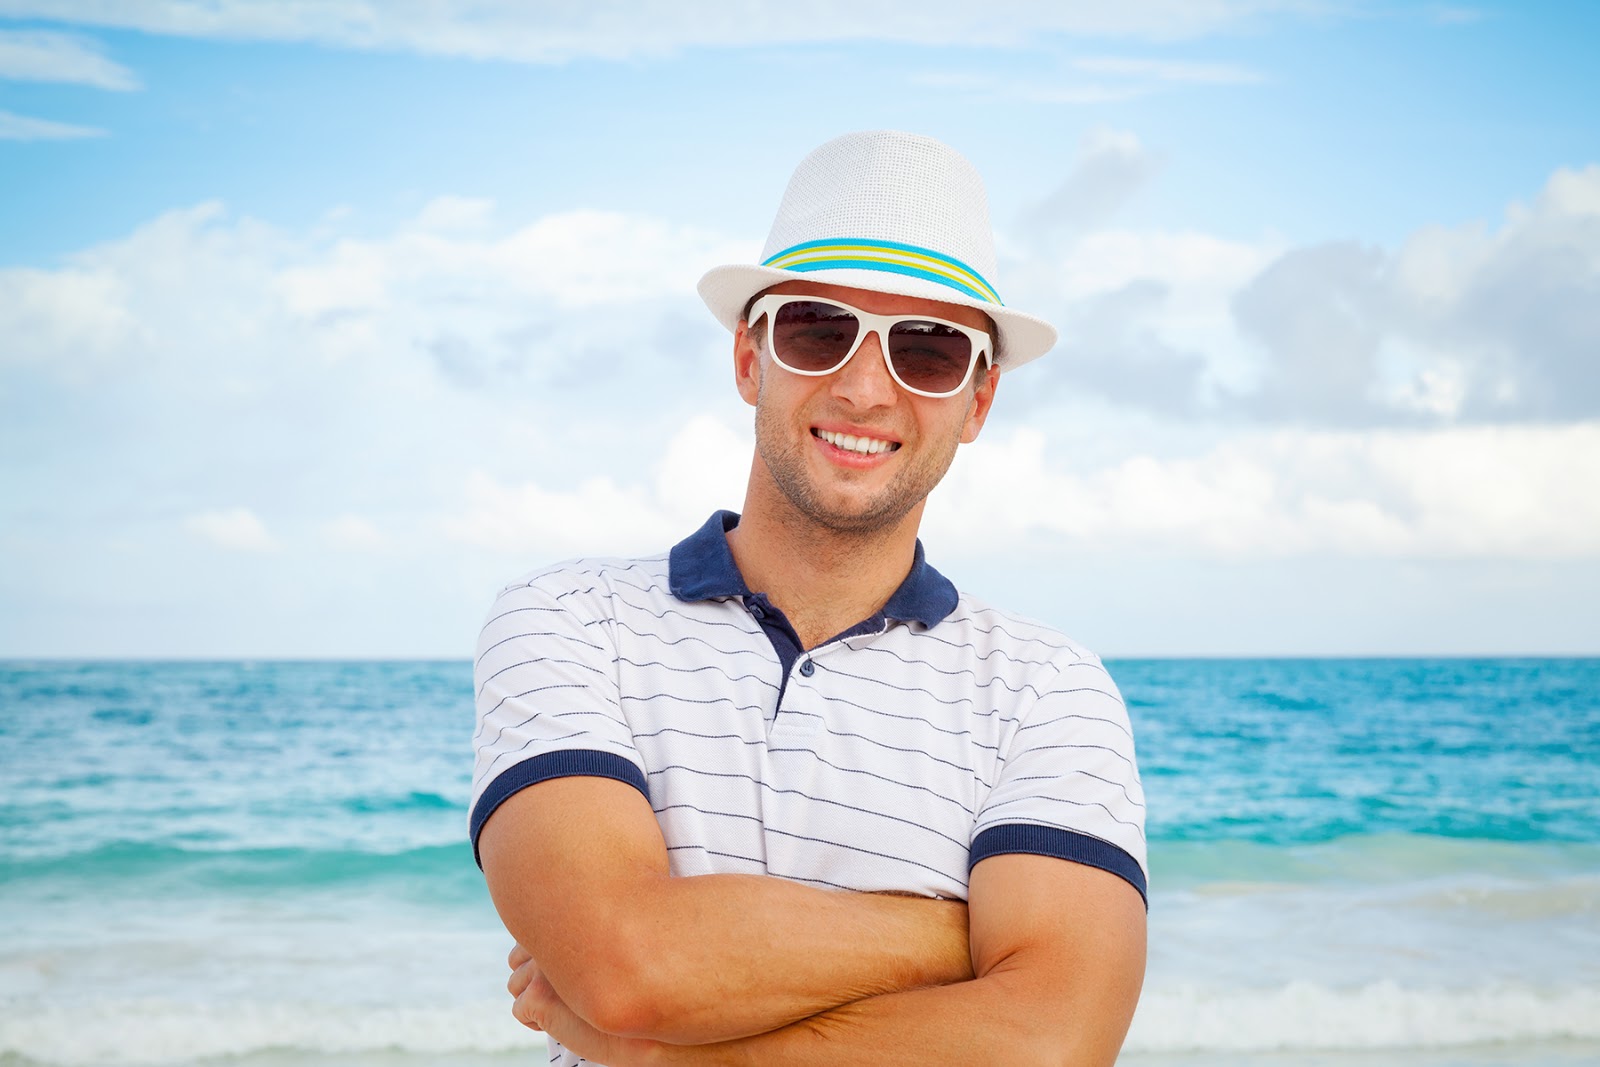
(625,965)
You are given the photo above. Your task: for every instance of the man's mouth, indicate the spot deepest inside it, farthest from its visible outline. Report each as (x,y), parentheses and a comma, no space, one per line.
(865,445)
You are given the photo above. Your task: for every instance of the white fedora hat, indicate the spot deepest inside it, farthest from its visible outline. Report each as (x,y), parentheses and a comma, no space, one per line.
(891,212)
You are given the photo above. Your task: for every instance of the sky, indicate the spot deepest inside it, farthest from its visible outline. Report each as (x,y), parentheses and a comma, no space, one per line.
(320,322)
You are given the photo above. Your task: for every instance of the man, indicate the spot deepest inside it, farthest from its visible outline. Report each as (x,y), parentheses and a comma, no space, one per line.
(782,795)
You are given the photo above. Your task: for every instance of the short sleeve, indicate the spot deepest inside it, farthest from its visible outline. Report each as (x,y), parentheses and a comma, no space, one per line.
(547,694)
(1070,783)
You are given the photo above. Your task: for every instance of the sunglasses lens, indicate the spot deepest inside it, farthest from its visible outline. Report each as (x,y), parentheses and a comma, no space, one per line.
(812,335)
(930,356)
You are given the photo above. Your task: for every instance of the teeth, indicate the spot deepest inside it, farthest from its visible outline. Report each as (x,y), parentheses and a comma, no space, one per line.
(868,445)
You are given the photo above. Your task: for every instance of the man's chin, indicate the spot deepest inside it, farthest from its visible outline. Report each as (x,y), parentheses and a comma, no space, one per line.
(856,516)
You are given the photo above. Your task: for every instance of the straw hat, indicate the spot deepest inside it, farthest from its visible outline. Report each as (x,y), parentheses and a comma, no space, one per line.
(891,212)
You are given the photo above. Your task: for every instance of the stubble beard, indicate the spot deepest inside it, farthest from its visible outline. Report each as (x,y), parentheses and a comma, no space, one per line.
(786,462)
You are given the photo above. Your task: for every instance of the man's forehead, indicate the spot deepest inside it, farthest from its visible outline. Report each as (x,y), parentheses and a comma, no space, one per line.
(880,303)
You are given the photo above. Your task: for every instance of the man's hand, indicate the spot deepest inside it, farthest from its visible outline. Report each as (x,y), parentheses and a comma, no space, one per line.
(525,975)
(539,1007)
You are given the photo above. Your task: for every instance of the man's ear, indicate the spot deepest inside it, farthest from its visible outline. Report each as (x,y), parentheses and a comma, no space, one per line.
(746,364)
(982,401)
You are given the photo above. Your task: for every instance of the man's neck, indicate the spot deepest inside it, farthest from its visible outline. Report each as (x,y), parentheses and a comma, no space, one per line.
(823,580)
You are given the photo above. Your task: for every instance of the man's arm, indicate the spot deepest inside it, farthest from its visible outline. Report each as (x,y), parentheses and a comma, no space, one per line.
(1060,951)
(578,870)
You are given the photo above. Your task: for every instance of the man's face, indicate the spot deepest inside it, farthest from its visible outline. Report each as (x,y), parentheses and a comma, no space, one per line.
(840,488)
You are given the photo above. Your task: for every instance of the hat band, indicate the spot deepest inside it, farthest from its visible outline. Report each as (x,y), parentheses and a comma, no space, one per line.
(891,256)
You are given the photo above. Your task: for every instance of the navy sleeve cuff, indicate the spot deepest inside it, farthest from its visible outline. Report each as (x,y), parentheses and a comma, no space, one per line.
(1062,844)
(573,763)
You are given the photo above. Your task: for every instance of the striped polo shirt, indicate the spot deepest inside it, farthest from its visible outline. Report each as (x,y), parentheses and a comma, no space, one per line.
(895,756)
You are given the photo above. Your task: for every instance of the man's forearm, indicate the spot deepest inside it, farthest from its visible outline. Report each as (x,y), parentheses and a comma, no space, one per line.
(694,959)
(1060,952)
(996,1019)
(725,956)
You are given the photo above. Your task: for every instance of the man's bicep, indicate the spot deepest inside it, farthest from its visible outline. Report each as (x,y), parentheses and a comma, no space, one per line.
(557,771)
(1075,937)
(548,701)
(1070,785)
(564,859)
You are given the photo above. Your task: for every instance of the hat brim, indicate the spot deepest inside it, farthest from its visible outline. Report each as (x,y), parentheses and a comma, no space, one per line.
(728,290)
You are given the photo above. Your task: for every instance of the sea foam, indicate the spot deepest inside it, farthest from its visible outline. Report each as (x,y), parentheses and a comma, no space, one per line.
(1298,1017)
(1305,1016)
(149,1032)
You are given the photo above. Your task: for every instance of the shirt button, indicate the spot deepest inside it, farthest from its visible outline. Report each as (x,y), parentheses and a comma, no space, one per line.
(755,609)
(808,668)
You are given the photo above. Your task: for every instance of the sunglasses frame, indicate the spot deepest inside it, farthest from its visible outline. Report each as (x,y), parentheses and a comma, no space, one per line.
(769,305)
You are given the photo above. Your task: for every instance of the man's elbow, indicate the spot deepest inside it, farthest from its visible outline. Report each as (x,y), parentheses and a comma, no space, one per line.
(1060,1046)
(1044,1025)
(618,1009)
(621,988)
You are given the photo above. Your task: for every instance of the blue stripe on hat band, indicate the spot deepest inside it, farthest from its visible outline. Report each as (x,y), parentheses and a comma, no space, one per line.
(892,268)
(892,256)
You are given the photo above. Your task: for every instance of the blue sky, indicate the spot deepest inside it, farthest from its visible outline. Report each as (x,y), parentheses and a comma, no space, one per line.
(318,322)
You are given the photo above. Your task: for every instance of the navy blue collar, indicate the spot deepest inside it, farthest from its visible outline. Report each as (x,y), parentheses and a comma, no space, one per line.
(701,567)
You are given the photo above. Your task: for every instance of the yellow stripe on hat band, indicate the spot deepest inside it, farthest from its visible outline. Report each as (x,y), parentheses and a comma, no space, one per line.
(855,253)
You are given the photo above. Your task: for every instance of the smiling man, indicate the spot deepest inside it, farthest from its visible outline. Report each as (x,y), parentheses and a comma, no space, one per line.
(783,795)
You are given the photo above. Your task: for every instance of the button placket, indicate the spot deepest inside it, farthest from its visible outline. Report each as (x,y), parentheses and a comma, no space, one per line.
(798,716)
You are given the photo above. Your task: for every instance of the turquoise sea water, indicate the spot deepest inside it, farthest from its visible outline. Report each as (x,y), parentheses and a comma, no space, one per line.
(1353,862)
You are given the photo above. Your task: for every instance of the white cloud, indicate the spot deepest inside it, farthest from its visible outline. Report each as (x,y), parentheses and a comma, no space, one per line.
(544,33)
(1118,79)
(348,389)
(1111,260)
(1457,324)
(1524,492)
(331,382)
(598,517)
(1529,493)
(442,406)
(1111,167)
(1461,322)
(484,303)
(1146,317)
(1071,94)
(1455,14)
(585,258)
(1572,193)
(704,467)
(237,529)
(14,127)
(39,55)
(575,260)
(448,214)
(78,309)
(627,512)
(1167,70)
(352,533)
(1466,324)
(191,289)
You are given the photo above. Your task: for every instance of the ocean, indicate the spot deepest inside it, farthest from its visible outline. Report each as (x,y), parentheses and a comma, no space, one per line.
(1354,863)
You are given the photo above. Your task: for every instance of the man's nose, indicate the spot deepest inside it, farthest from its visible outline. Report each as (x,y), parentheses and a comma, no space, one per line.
(865,381)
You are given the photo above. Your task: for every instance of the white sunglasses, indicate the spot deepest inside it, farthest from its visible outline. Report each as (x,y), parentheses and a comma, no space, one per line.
(926,356)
